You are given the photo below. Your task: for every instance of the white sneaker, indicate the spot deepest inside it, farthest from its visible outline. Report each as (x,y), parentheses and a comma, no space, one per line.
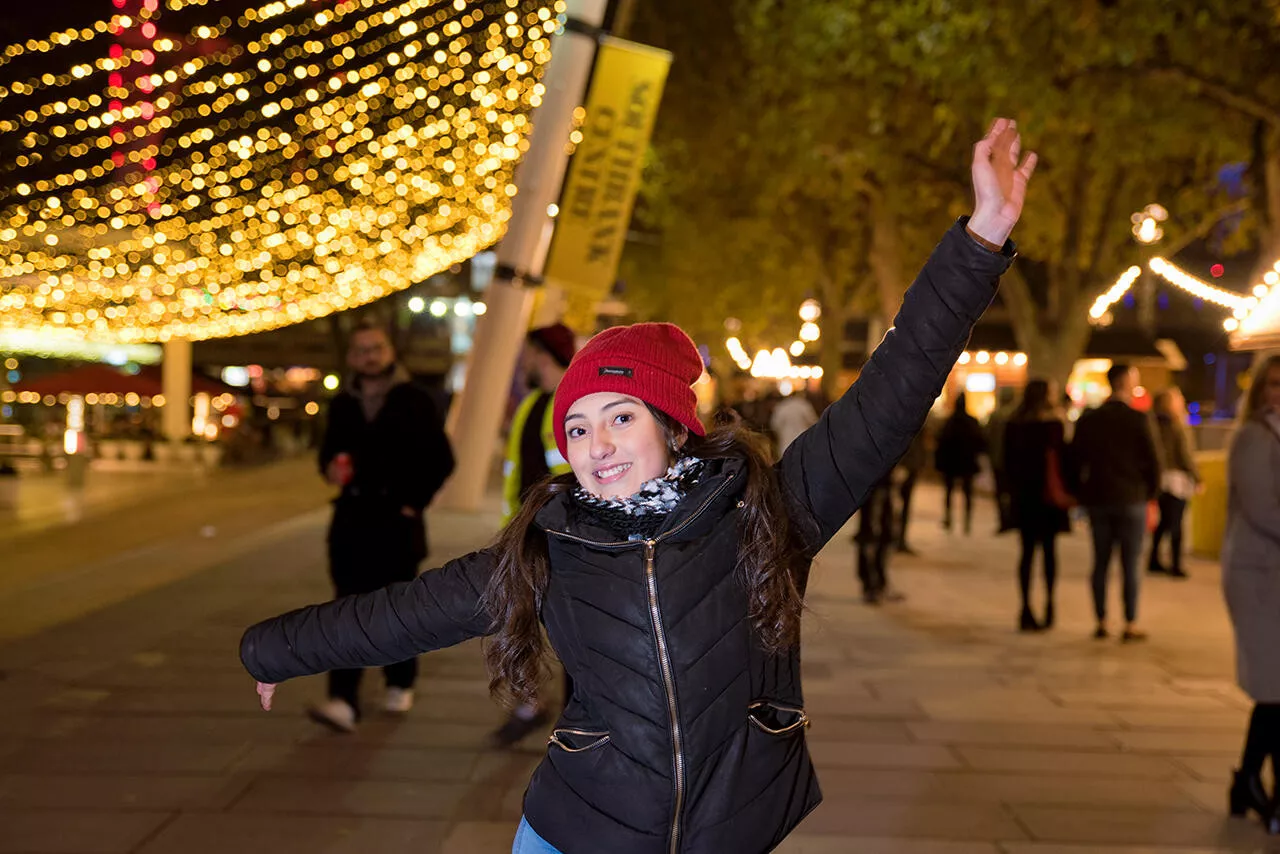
(335,714)
(398,700)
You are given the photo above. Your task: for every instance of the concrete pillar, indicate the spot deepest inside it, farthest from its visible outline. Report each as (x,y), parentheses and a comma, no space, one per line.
(175,417)
(475,420)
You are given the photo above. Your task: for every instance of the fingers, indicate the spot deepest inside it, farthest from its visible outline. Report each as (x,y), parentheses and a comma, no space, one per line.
(1014,150)
(997,140)
(1028,166)
(265,693)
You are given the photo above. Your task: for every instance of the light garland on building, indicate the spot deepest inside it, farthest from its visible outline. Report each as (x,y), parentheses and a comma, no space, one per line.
(1265,316)
(1240,305)
(307,162)
(1103,303)
(1179,278)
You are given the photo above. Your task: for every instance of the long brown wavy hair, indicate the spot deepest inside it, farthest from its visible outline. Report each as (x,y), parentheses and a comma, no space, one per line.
(1253,408)
(770,553)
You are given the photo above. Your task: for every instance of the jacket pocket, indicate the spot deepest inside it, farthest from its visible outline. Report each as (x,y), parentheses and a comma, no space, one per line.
(577,740)
(776,719)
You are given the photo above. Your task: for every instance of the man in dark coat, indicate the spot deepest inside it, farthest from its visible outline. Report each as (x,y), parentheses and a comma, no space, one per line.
(385,447)
(961,445)
(1116,471)
(912,466)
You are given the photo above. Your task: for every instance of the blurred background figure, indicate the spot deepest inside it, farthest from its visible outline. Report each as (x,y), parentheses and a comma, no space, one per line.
(1251,580)
(1006,405)
(912,465)
(1179,479)
(961,445)
(1115,470)
(791,416)
(1033,450)
(385,447)
(875,539)
(532,456)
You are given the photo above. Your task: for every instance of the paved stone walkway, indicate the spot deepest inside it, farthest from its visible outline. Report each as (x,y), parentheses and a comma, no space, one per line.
(938,729)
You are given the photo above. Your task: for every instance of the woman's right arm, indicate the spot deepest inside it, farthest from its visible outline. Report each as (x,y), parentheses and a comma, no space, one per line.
(439,608)
(1253,478)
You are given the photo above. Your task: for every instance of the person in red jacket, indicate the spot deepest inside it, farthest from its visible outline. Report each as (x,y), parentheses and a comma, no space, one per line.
(669,569)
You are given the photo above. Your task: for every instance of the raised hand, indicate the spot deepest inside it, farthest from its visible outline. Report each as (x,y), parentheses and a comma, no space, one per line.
(999,182)
(265,693)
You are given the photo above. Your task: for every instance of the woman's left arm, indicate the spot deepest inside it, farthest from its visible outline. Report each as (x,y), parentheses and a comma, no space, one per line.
(828,471)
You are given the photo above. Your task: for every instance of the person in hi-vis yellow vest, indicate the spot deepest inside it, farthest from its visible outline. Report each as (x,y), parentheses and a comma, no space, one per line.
(532,455)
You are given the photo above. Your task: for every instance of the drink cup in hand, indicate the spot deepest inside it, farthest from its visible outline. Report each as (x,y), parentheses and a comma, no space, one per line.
(341,469)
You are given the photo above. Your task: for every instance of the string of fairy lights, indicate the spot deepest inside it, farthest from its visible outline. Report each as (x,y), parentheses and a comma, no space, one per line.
(1245,308)
(303,158)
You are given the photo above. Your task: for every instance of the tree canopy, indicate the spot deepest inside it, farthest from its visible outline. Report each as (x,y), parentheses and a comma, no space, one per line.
(820,147)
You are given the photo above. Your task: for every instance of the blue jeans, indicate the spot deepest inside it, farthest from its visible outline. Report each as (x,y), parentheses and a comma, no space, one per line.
(1124,525)
(529,842)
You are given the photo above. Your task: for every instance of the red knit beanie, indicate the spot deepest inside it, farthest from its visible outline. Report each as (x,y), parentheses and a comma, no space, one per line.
(655,362)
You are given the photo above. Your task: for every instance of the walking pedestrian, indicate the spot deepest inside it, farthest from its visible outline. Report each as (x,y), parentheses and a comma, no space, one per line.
(1179,480)
(1251,581)
(912,466)
(669,571)
(791,416)
(875,540)
(533,456)
(1033,451)
(1115,470)
(961,445)
(384,445)
(1006,405)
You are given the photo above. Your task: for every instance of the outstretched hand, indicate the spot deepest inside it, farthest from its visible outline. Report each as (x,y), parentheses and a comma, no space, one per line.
(999,182)
(265,693)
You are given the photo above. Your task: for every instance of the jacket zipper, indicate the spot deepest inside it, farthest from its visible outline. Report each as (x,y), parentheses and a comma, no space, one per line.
(668,672)
(664,656)
(668,681)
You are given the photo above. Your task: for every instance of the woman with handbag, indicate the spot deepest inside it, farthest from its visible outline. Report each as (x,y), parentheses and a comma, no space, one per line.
(1251,581)
(1033,449)
(1179,479)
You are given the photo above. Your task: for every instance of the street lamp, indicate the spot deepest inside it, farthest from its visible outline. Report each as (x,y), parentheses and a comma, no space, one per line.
(1146,224)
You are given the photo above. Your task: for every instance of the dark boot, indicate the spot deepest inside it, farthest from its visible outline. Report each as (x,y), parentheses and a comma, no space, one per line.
(1248,793)
(1048,615)
(1027,622)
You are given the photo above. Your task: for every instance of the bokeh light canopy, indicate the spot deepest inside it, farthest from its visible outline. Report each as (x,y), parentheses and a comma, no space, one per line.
(177,171)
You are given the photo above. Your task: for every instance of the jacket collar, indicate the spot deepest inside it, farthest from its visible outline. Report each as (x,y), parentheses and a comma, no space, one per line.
(724,482)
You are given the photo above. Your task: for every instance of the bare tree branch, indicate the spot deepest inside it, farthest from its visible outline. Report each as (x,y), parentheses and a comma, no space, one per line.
(1017,297)
(1100,242)
(1205,225)
(1222,92)
(1068,273)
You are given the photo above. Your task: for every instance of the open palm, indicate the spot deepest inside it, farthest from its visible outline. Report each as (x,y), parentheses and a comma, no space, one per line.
(999,181)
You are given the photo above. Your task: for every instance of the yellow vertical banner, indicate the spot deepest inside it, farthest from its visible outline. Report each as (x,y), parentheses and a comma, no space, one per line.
(604,176)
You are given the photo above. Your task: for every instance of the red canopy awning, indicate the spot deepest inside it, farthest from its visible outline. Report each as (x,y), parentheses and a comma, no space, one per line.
(104,379)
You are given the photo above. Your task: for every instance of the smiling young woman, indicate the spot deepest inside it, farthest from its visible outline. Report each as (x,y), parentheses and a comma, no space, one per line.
(668,571)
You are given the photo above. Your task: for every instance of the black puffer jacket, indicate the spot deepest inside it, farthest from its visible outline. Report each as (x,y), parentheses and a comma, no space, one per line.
(682,735)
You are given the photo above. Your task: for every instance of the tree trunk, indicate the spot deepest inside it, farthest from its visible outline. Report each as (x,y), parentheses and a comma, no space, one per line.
(835,316)
(831,356)
(1052,354)
(1052,344)
(1269,236)
(886,260)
